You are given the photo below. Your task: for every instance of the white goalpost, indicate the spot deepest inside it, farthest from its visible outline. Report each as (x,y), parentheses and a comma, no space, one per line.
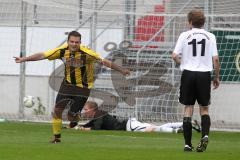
(139,35)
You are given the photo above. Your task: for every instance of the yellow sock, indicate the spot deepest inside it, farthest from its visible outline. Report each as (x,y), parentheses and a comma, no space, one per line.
(57,125)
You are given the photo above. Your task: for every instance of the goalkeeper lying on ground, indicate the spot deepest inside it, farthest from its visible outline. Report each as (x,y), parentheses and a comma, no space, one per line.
(101,120)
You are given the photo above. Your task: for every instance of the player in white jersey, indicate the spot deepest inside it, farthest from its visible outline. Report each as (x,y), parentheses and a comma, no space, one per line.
(196,52)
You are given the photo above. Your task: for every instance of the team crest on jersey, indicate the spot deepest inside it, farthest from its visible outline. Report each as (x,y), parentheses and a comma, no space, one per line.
(73,62)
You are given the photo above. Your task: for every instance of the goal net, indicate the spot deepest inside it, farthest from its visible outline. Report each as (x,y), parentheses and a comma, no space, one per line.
(139,35)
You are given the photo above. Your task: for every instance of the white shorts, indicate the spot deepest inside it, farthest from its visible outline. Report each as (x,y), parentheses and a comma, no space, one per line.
(134,125)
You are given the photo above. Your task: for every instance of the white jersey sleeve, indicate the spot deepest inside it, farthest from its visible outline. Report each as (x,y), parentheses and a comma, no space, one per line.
(179,45)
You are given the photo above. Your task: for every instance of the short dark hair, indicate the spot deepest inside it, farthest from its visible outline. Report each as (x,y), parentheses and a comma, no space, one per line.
(196,17)
(75,34)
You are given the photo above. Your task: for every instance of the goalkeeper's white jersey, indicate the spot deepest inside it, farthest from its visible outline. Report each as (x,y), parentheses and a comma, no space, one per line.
(196,48)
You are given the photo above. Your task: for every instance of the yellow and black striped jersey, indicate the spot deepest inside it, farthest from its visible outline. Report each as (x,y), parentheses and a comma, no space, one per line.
(79,65)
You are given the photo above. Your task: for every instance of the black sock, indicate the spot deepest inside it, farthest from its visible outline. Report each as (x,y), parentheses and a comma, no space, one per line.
(187,130)
(205,124)
(73,124)
(57,135)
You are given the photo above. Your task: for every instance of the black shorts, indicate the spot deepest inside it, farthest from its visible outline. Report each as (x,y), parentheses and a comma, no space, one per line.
(72,96)
(195,86)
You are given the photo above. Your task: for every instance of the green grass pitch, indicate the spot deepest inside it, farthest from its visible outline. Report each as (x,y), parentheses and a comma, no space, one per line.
(29,141)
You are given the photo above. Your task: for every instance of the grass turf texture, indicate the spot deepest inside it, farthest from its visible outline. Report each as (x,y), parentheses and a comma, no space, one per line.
(30,141)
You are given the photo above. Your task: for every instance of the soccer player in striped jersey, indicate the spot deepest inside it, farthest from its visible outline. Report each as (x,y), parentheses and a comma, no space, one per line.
(79,78)
(196,52)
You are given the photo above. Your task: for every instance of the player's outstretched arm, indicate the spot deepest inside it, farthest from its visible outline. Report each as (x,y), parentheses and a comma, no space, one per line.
(216,81)
(116,67)
(34,57)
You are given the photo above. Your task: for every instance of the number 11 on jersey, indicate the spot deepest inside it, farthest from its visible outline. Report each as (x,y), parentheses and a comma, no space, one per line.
(194,46)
